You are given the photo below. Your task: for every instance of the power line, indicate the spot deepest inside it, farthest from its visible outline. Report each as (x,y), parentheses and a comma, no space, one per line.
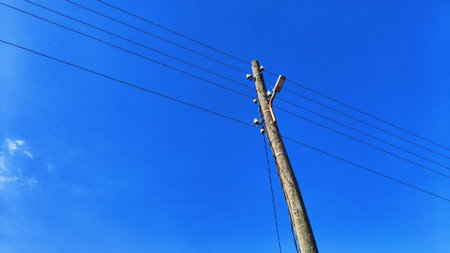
(224,77)
(128,51)
(156,36)
(224,116)
(367,169)
(129,84)
(174,32)
(138,44)
(221,76)
(271,190)
(367,123)
(200,78)
(362,132)
(288,80)
(293,235)
(366,114)
(221,86)
(363,142)
(261,118)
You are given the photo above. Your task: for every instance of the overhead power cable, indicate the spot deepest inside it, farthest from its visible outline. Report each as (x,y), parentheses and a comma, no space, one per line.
(129,84)
(362,132)
(261,119)
(128,51)
(366,168)
(367,123)
(138,44)
(174,32)
(365,113)
(203,79)
(224,116)
(365,143)
(271,187)
(156,36)
(288,80)
(200,78)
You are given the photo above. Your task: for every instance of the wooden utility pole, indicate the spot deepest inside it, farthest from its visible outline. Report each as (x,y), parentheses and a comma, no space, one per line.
(289,183)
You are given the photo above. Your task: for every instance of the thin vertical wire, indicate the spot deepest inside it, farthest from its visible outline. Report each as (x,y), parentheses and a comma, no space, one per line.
(261,119)
(293,237)
(271,190)
(270,181)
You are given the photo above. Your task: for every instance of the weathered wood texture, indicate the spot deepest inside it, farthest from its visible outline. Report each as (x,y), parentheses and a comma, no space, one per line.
(289,183)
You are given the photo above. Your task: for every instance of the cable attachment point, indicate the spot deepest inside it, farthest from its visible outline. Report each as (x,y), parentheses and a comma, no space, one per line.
(262,130)
(255,101)
(269,94)
(261,68)
(250,77)
(256,121)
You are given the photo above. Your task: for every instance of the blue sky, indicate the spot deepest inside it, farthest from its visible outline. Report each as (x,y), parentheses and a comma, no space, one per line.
(87,165)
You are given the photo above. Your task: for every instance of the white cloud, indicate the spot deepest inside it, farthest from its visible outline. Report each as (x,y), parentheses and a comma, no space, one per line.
(8,179)
(30,182)
(11,145)
(17,145)
(28,153)
(5,180)
(9,173)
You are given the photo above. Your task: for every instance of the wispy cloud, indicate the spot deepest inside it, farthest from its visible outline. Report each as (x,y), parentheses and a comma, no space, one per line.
(28,153)
(8,179)
(15,145)
(10,174)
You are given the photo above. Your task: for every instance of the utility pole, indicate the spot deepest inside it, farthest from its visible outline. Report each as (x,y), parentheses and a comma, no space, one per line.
(292,194)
